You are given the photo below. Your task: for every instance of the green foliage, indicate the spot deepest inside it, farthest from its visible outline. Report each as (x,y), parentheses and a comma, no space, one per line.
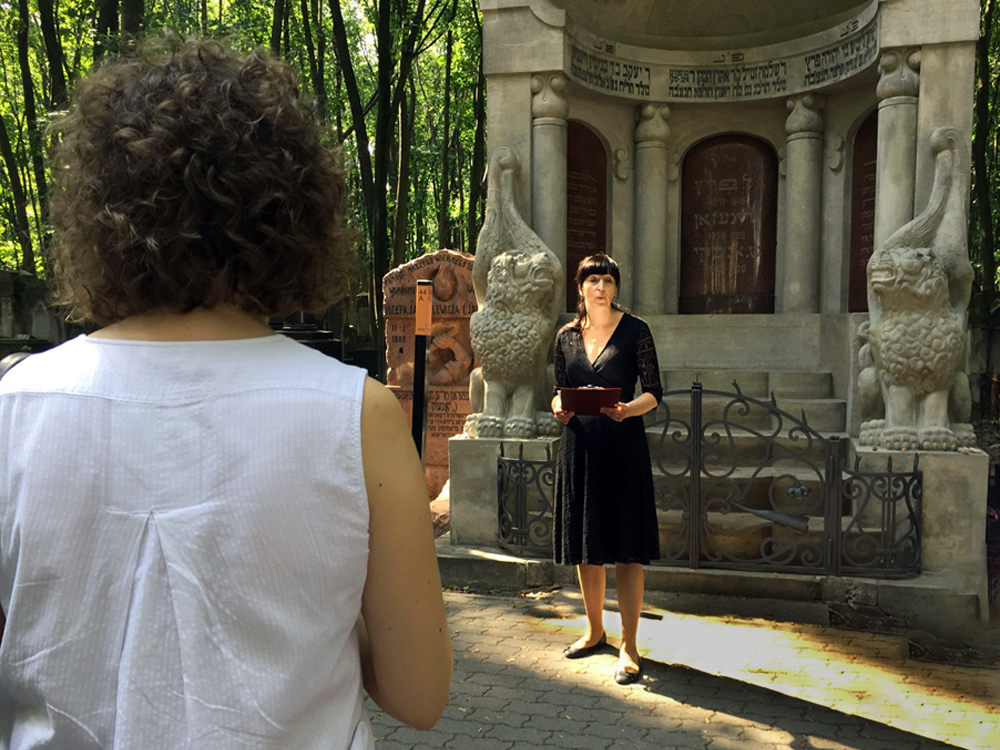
(247,24)
(985,203)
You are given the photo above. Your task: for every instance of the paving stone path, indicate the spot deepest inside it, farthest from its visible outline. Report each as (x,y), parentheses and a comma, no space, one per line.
(512,688)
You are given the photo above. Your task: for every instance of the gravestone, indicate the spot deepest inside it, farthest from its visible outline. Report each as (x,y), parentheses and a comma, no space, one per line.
(450,349)
(728,227)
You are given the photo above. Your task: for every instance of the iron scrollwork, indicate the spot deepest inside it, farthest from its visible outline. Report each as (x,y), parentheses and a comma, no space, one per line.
(524,510)
(743,485)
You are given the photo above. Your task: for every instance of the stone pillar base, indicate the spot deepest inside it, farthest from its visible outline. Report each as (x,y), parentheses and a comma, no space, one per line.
(473,484)
(953,529)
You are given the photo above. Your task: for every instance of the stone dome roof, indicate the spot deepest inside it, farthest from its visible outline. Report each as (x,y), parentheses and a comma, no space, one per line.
(707,24)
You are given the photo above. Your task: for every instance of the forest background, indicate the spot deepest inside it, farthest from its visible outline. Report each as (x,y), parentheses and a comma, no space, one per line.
(398,82)
(400,85)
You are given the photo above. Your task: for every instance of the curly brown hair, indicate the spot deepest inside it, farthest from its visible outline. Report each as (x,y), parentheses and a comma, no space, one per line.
(186,175)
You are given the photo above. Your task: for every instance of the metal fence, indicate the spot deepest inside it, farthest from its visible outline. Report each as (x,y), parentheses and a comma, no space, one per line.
(742,485)
(524,492)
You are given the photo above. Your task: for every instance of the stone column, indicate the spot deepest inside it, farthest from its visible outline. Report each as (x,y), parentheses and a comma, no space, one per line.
(650,236)
(549,111)
(804,176)
(897,140)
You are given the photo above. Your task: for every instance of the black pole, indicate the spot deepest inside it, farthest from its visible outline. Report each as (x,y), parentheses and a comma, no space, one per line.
(425,300)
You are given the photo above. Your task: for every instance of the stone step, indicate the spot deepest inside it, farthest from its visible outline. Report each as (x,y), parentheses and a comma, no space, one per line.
(928,601)
(822,414)
(712,408)
(755,383)
(740,446)
(752,382)
(792,490)
(791,384)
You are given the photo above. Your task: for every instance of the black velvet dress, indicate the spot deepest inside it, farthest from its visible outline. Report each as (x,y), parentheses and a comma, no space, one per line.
(604,506)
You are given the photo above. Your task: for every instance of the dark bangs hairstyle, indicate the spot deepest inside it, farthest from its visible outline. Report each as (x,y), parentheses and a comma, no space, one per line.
(595,265)
(187,175)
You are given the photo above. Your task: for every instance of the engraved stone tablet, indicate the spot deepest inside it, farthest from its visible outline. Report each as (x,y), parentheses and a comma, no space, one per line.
(728,226)
(586,201)
(862,212)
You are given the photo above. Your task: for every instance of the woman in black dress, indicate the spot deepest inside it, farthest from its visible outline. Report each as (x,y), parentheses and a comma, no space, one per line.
(604,507)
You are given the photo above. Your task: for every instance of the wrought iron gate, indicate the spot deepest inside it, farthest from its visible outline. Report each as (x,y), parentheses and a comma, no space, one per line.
(742,485)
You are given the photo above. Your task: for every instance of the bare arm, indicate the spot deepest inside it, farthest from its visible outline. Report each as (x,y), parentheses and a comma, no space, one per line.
(637,407)
(406,656)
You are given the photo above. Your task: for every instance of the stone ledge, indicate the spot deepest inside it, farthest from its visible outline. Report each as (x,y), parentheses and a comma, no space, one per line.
(925,603)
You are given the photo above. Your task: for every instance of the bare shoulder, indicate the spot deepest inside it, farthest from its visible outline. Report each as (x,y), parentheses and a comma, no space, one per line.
(379,402)
(385,434)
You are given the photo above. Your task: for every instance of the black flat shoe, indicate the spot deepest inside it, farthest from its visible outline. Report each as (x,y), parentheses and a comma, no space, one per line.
(624,677)
(578,652)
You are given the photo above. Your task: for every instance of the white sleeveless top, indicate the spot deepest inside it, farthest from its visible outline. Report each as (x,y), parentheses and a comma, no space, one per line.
(183,547)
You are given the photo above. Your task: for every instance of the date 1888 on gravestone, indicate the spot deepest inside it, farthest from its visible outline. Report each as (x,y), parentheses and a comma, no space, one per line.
(451,358)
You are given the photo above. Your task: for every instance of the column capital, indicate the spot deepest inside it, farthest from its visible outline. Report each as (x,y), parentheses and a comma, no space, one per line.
(900,72)
(549,96)
(805,114)
(652,125)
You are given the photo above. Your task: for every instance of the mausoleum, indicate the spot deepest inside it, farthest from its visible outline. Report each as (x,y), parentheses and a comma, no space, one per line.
(742,160)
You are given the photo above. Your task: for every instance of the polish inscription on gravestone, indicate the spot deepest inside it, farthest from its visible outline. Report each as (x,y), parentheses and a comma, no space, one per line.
(451,359)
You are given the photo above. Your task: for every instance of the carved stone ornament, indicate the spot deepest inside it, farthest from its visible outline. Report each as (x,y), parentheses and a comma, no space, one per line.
(651,126)
(913,387)
(518,282)
(623,164)
(900,73)
(549,96)
(805,114)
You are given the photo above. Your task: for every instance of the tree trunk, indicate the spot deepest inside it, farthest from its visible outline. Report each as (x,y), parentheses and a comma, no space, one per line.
(401,219)
(321,98)
(369,195)
(980,145)
(133,18)
(31,114)
(21,226)
(477,178)
(277,20)
(107,25)
(317,83)
(444,210)
(286,32)
(385,121)
(54,53)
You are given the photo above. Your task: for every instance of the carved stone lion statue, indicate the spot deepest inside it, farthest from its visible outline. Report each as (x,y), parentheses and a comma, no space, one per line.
(512,330)
(913,388)
(518,282)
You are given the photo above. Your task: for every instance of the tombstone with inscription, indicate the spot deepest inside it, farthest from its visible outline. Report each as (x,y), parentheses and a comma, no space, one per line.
(451,358)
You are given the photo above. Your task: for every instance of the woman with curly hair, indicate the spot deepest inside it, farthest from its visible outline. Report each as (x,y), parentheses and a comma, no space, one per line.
(211,536)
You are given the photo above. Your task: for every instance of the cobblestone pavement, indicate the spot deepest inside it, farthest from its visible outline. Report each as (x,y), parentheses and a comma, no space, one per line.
(512,688)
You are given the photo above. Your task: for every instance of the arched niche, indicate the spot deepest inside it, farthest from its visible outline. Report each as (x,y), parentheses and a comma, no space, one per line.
(863,163)
(586,200)
(729,218)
